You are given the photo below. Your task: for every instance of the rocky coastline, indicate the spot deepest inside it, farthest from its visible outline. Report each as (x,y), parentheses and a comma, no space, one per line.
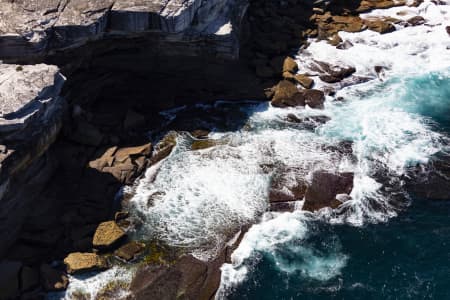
(81,86)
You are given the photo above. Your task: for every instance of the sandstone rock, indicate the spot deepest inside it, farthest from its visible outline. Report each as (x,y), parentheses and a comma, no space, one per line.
(9,279)
(107,235)
(205,144)
(415,21)
(304,81)
(164,147)
(31,114)
(188,278)
(82,262)
(323,190)
(52,279)
(130,251)
(290,65)
(380,25)
(287,94)
(314,98)
(125,164)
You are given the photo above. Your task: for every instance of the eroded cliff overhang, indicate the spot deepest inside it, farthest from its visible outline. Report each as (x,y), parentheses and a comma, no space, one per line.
(33,30)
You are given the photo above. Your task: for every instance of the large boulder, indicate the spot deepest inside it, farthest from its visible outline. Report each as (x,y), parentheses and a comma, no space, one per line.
(125,164)
(130,251)
(83,262)
(287,185)
(188,278)
(314,98)
(325,188)
(287,94)
(107,235)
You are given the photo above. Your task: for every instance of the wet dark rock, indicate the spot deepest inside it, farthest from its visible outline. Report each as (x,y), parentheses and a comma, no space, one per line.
(415,21)
(447,28)
(309,122)
(288,206)
(188,278)
(331,74)
(314,98)
(288,184)
(325,187)
(344,45)
(130,251)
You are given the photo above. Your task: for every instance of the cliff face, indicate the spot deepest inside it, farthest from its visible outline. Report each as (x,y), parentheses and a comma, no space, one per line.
(33,30)
(128,52)
(30,120)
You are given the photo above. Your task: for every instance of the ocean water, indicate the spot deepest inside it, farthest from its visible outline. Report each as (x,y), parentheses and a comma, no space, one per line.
(382,244)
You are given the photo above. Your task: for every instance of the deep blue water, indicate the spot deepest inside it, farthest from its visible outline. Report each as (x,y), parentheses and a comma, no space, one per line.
(407,257)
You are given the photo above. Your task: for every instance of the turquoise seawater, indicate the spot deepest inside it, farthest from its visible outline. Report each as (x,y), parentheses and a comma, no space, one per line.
(406,257)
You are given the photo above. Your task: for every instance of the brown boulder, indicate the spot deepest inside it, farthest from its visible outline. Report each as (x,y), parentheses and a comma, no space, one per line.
(129,251)
(304,81)
(287,94)
(415,21)
(290,65)
(325,187)
(107,235)
(52,279)
(82,262)
(125,164)
(188,278)
(287,185)
(331,74)
(164,147)
(379,25)
(314,98)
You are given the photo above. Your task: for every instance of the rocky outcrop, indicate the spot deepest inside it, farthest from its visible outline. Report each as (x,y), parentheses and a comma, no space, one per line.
(36,29)
(327,190)
(84,262)
(107,235)
(30,120)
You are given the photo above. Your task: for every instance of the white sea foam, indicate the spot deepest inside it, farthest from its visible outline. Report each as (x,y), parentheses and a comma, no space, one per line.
(89,286)
(382,118)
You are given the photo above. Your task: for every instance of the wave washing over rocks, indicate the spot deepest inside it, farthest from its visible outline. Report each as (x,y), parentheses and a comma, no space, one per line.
(389,121)
(373,126)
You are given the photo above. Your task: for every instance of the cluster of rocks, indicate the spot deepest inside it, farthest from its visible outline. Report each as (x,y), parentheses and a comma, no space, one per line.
(30,282)
(64,153)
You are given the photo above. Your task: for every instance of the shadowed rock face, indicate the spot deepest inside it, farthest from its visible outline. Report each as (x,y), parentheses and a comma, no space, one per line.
(30,120)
